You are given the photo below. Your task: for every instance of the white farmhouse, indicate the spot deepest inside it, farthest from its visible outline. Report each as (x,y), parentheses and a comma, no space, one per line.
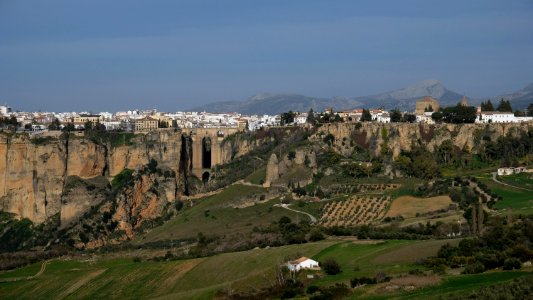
(302,263)
(495,117)
(511,171)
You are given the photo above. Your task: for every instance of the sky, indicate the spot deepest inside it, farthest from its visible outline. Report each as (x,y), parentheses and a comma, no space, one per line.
(101,55)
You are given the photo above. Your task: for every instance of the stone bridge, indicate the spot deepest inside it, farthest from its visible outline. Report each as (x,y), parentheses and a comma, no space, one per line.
(207,149)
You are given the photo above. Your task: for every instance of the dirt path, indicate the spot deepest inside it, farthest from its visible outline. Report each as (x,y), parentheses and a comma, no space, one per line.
(207,194)
(495,179)
(286,206)
(41,271)
(71,289)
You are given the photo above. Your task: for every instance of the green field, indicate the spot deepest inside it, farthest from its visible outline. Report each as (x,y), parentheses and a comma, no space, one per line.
(524,180)
(455,284)
(104,278)
(257,177)
(515,201)
(214,215)
(391,257)
(117,276)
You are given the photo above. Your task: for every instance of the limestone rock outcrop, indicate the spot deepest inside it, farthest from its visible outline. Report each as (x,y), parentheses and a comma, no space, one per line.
(296,167)
(397,137)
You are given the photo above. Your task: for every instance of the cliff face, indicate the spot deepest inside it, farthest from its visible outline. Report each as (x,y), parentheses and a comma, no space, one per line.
(34,175)
(400,136)
(297,168)
(31,177)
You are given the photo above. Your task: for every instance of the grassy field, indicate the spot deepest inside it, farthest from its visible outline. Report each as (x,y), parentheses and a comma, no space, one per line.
(361,258)
(119,277)
(524,180)
(114,278)
(408,206)
(214,215)
(515,201)
(257,177)
(462,283)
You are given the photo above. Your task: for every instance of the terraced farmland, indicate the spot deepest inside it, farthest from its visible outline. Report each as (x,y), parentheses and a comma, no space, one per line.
(355,211)
(373,188)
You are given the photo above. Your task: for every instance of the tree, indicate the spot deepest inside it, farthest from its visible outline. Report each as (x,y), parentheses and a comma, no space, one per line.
(88,126)
(459,114)
(366,117)
(504,106)
(69,127)
(329,139)
(310,117)
(55,125)
(395,115)
(13,121)
(487,106)
(519,113)
(410,118)
(530,110)
(437,116)
(287,118)
(331,266)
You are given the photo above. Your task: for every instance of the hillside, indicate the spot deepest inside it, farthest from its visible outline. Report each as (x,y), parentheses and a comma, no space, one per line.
(403,99)
(520,99)
(273,104)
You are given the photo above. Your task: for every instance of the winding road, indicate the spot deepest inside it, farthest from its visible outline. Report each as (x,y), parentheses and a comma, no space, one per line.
(495,179)
(286,206)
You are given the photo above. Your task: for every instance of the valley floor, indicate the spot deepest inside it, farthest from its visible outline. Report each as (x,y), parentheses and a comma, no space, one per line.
(120,276)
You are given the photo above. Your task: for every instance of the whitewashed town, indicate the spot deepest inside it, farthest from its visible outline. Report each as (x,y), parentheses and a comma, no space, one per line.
(136,120)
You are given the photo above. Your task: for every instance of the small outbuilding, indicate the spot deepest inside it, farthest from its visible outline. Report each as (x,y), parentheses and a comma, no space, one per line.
(302,263)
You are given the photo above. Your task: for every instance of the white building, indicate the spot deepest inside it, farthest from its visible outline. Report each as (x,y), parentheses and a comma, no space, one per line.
(302,263)
(495,117)
(5,110)
(511,171)
(300,119)
(425,118)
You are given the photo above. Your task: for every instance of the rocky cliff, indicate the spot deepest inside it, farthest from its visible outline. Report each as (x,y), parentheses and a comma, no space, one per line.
(34,173)
(397,137)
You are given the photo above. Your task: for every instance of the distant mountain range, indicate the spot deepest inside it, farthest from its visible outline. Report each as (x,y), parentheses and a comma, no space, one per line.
(520,99)
(403,99)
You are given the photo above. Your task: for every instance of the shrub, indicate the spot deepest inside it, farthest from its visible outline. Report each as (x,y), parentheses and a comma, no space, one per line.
(316,235)
(474,268)
(331,266)
(123,179)
(511,263)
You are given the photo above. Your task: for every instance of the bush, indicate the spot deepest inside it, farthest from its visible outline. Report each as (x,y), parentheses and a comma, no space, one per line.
(474,268)
(331,266)
(316,235)
(312,289)
(511,263)
(123,179)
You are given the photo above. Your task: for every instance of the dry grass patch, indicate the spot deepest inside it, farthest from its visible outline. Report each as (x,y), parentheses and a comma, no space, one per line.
(408,206)
(413,252)
(407,283)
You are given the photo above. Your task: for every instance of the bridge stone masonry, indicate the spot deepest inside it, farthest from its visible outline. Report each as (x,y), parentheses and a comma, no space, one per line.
(207,149)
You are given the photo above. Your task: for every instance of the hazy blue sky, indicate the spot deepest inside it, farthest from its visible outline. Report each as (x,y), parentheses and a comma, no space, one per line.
(114,55)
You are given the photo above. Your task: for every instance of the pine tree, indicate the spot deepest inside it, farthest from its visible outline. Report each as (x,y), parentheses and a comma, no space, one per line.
(366,117)
(487,106)
(504,106)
